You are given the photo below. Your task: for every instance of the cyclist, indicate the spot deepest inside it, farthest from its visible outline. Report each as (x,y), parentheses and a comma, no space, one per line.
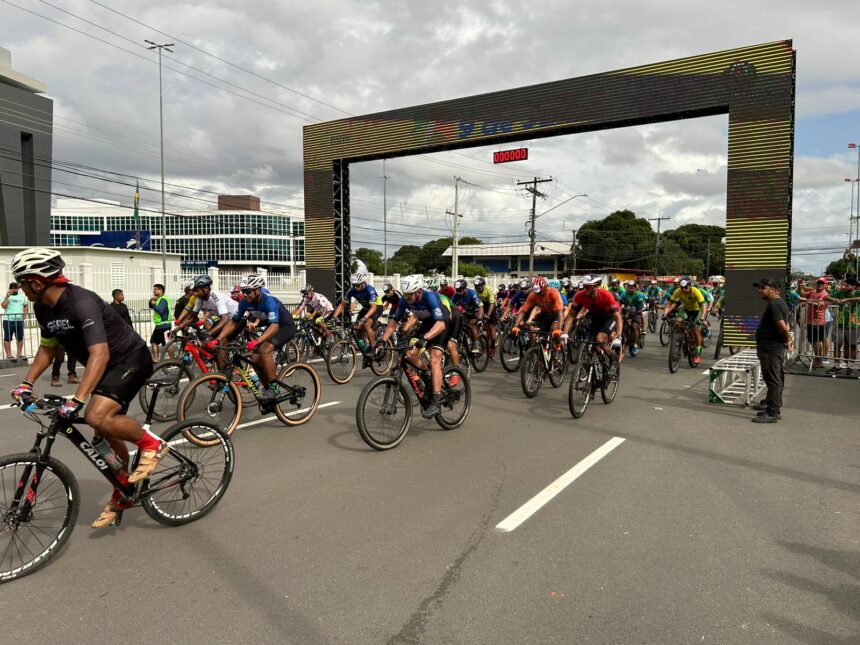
(501,294)
(276,323)
(653,293)
(390,297)
(669,291)
(694,306)
(454,327)
(116,357)
(218,307)
(434,319)
(709,304)
(316,307)
(518,297)
(371,305)
(446,289)
(616,289)
(491,316)
(634,305)
(472,307)
(556,284)
(551,309)
(605,313)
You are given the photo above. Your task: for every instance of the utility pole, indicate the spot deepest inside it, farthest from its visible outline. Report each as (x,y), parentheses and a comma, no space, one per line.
(384,218)
(457,216)
(531,186)
(166,46)
(574,252)
(657,241)
(708,265)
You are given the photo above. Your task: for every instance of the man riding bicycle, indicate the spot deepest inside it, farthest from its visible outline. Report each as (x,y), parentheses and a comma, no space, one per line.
(276,323)
(551,315)
(316,307)
(434,319)
(371,305)
(491,315)
(694,306)
(472,307)
(218,307)
(605,314)
(116,357)
(633,303)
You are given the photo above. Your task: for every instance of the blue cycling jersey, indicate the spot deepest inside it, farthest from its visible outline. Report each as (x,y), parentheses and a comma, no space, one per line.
(468,300)
(564,300)
(365,297)
(426,306)
(272,310)
(518,298)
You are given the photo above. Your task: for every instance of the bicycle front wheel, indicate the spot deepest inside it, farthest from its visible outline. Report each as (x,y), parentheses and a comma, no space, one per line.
(381,364)
(652,321)
(676,349)
(579,392)
(179,376)
(340,362)
(609,387)
(383,413)
(509,353)
(37,514)
(299,397)
(456,398)
(557,367)
(665,332)
(480,359)
(190,479)
(531,371)
(213,398)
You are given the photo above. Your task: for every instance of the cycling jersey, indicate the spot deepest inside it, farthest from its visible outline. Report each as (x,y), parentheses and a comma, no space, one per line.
(217,303)
(618,293)
(691,301)
(501,296)
(392,298)
(653,293)
(427,306)
(487,297)
(448,291)
(269,310)
(667,294)
(549,302)
(81,319)
(517,299)
(468,300)
(634,301)
(602,304)
(707,294)
(316,304)
(366,297)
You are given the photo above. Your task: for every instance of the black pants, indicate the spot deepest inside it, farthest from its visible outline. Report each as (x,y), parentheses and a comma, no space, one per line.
(59,357)
(772,360)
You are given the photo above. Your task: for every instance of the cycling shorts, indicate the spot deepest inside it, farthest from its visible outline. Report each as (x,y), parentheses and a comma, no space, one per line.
(441,340)
(283,336)
(635,317)
(544,320)
(455,327)
(374,317)
(493,318)
(602,325)
(123,381)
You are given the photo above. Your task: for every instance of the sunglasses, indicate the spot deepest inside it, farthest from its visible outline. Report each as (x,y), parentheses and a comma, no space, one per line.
(248,291)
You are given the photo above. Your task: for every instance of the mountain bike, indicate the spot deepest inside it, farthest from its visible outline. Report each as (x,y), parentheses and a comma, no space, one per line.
(593,372)
(474,351)
(681,343)
(217,398)
(40,498)
(513,347)
(665,332)
(653,316)
(542,360)
(627,334)
(383,413)
(311,341)
(342,356)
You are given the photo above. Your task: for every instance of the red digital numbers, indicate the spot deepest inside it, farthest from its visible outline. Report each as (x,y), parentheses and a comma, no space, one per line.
(504,156)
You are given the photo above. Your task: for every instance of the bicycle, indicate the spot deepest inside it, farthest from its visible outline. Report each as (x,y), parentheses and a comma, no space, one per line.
(627,334)
(718,348)
(383,413)
(540,361)
(310,340)
(513,347)
(652,316)
(40,497)
(216,396)
(476,352)
(342,356)
(592,372)
(682,343)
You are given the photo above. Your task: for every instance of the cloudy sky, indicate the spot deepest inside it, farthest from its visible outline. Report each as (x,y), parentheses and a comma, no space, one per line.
(234,124)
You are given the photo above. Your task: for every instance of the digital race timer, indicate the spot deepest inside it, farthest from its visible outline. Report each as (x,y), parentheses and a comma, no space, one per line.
(504,156)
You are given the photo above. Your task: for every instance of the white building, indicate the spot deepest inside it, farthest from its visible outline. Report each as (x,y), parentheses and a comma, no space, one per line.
(551,258)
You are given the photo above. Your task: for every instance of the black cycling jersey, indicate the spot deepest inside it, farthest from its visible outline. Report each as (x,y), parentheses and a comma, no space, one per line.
(393,298)
(81,319)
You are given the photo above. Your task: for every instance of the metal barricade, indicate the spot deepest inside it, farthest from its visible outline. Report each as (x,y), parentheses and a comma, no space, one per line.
(826,335)
(736,380)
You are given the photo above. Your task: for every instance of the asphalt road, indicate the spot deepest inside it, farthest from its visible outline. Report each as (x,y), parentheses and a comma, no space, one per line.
(700,527)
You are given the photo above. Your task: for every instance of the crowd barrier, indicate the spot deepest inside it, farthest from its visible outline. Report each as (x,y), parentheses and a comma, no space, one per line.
(826,335)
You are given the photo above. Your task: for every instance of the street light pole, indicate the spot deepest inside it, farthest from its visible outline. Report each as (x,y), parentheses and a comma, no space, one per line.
(166,46)
(384,219)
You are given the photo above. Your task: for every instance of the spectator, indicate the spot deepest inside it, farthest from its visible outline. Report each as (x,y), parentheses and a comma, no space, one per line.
(772,338)
(182,301)
(15,307)
(848,324)
(59,356)
(815,317)
(161,319)
(119,304)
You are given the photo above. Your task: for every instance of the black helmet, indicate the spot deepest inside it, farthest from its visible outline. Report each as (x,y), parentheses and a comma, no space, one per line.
(387,287)
(201,281)
(460,284)
(502,287)
(479,282)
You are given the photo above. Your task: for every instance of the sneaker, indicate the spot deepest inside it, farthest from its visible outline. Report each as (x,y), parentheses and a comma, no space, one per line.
(55,381)
(149,460)
(765,417)
(634,351)
(267,395)
(696,360)
(707,333)
(833,370)
(760,407)
(843,365)
(73,379)
(432,408)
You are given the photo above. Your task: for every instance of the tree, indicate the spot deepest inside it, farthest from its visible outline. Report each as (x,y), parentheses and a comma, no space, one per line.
(694,240)
(840,268)
(674,261)
(471,269)
(372,258)
(619,240)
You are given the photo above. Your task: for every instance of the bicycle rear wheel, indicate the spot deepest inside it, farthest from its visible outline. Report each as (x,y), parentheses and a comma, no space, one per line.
(456,398)
(481,359)
(531,371)
(676,350)
(509,353)
(213,398)
(300,394)
(652,321)
(609,387)
(168,395)
(340,362)
(191,479)
(383,413)
(34,525)
(380,365)
(579,391)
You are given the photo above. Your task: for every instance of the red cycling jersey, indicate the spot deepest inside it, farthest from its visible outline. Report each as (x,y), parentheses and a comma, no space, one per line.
(603,303)
(549,302)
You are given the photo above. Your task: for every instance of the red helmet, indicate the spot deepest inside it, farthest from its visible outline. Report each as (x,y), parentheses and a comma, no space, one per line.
(539,284)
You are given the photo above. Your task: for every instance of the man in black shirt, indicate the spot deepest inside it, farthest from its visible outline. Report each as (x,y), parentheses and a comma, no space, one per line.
(181,302)
(116,358)
(119,305)
(772,338)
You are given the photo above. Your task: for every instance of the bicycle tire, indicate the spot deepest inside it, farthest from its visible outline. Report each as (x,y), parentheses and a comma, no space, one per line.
(394,397)
(67,492)
(211,410)
(676,346)
(291,412)
(191,495)
(454,393)
(340,362)
(382,364)
(530,371)
(652,321)
(482,360)
(557,371)
(718,347)
(665,333)
(609,388)
(509,353)
(168,395)
(706,340)
(579,390)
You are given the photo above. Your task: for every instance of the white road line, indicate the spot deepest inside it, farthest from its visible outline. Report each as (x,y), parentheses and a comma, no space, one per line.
(706,372)
(267,419)
(6,375)
(537,502)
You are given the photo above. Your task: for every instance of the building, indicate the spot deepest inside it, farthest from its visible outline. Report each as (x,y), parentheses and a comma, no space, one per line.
(238,237)
(551,258)
(26,127)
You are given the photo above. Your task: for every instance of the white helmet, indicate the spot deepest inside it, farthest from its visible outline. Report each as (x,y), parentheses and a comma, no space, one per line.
(411,283)
(594,281)
(46,263)
(252,281)
(357,278)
